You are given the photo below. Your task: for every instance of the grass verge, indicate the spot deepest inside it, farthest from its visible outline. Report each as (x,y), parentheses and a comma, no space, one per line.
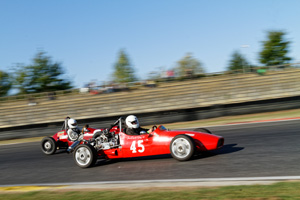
(282,190)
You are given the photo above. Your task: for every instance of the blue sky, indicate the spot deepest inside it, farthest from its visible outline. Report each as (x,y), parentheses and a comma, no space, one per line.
(86,36)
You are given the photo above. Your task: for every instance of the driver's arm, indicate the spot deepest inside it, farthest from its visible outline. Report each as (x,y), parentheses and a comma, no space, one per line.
(84,129)
(150,130)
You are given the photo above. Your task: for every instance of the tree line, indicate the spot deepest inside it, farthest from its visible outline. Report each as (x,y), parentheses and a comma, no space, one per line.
(44,75)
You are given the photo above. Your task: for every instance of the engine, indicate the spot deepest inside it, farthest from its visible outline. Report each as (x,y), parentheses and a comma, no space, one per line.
(106,140)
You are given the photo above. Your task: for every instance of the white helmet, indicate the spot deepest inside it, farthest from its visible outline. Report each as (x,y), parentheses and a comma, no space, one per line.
(72,123)
(132,122)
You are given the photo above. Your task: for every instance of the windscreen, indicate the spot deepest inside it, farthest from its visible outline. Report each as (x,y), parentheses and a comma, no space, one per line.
(162,128)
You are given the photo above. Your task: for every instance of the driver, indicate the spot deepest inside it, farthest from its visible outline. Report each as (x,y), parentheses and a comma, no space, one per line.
(73,131)
(133,126)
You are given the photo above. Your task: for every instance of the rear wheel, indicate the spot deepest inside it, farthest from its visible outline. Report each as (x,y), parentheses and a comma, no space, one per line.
(203,130)
(85,155)
(48,145)
(182,147)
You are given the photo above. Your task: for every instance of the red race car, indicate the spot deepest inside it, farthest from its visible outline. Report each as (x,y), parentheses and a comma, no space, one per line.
(60,140)
(114,143)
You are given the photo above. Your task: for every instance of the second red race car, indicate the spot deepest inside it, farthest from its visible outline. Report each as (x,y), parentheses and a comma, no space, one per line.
(114,143)
(60,140)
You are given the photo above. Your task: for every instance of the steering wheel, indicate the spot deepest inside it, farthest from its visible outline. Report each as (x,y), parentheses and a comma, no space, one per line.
(154,128)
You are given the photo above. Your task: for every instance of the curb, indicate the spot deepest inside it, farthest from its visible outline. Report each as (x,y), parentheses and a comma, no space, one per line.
(173,183)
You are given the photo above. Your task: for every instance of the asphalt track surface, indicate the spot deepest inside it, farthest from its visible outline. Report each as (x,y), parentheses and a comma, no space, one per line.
(250,150)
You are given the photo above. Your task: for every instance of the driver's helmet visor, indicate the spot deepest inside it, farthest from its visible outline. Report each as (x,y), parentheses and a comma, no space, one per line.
(134,122)
(74,124)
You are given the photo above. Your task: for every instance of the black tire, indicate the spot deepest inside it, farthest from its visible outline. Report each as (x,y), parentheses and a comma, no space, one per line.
(203,130)
(182,147)
(85,155)
(48,145)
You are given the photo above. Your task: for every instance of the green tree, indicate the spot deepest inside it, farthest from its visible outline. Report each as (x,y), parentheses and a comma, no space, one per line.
(275,49)
(238,62)
(188,66)
(5,83)
(41,76)
(123,71)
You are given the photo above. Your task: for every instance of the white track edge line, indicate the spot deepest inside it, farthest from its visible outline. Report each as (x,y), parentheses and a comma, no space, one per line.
(270,178)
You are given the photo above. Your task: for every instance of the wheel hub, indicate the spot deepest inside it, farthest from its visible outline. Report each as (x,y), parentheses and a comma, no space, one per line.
(181,147)
(82,156)
(47,145)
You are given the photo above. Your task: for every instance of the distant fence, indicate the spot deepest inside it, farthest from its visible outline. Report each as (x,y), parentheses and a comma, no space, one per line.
(170,96)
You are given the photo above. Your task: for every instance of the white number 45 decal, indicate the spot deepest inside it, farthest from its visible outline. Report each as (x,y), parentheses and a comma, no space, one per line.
(139,145)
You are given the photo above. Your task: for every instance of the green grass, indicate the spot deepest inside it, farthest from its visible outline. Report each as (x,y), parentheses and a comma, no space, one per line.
(282,190)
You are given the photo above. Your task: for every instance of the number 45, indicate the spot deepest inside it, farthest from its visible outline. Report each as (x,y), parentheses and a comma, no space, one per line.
(133,148)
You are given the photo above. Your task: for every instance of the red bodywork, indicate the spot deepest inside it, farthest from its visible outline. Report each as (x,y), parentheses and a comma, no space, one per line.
(61,137)
(157,143)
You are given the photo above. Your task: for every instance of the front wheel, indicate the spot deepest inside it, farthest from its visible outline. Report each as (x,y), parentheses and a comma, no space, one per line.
(85,155)
(48,145)
(182,147)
